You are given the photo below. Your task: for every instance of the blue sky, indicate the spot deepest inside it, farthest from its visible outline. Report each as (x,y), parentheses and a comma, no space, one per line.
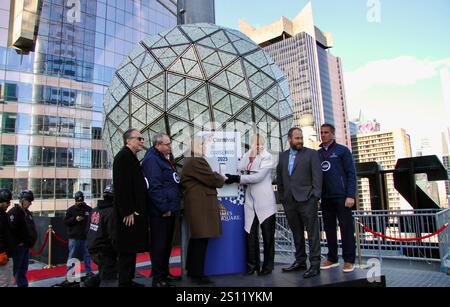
(394,67)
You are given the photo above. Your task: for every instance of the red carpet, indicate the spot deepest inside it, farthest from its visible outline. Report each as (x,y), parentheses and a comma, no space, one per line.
(59,271)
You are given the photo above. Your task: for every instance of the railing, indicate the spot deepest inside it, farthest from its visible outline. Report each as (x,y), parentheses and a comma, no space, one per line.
(396,224)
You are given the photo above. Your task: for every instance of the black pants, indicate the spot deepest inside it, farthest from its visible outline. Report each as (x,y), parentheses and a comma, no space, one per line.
(107,264)
(195,259)
(268,234)
(301,215)
(127,268)
(333,210)
(161,234)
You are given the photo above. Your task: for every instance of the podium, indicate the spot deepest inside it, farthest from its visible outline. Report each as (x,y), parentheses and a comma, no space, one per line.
(227,253)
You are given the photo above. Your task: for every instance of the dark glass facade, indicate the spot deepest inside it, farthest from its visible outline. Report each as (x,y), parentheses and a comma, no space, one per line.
(51,100)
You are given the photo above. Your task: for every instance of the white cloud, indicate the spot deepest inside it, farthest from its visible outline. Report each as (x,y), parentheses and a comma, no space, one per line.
(401,71)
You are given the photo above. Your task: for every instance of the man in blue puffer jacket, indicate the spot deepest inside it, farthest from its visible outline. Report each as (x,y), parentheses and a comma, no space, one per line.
(164,194)
(338,198)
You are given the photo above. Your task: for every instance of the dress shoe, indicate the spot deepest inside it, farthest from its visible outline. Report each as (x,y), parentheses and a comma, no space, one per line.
(294,267)
(265,272)
(163,284)
(251,272)
(314,270)
(171,277)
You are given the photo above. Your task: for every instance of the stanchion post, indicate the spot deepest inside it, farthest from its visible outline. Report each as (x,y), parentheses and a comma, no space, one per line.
(50,233)
(358,239)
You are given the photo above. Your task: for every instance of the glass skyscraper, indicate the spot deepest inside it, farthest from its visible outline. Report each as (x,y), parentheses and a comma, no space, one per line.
(51,99)
(314,74)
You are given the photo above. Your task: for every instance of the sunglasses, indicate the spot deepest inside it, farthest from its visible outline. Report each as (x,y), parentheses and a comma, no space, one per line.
(139,138)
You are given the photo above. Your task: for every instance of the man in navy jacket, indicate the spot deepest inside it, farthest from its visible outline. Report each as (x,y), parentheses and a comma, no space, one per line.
(338,198)
(164,205)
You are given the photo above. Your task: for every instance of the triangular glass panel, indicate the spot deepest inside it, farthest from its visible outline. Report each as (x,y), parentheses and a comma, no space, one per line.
(179,49)
(238,103)
(152,114)
(137,124)
(179,88)
(118,115)
(242,89)
(175,37)
(216,94)
(138,60)
(275,110)
(221,80)
(188,64)
(226,58)
(128,73)
(213,59)
(136,103)
(229,48)
(159,82)
(190,54)
(211,69)
(243,46)
(285,108)
(219,39)
(119,91)
(191,84)
(200,96)
(173,99)
(224,105)
(142,90)
(141,114)
(181,110)
(149,42)
(140,78)
(195,72)
(151,70)
(137,51)
(204,52)
(178,67)
(174,80)
(158,100)
(207,42)
(193,33)
(233,79)
(220,117)
(257,58)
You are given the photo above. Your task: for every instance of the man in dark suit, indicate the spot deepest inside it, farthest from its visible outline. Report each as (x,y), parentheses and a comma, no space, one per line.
(130,206)
(299,180)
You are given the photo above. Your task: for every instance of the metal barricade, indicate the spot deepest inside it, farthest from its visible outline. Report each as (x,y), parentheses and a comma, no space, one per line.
(395,224)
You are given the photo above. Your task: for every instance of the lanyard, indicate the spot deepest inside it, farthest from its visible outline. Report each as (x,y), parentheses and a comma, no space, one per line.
(250,163)
(171,165)
(326,153)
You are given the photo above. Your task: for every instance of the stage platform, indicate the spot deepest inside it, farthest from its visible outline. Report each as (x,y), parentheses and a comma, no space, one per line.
(328,278)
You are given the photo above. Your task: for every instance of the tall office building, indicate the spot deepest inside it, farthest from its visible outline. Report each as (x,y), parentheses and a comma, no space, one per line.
(384,147)
(51,98)
(314,74)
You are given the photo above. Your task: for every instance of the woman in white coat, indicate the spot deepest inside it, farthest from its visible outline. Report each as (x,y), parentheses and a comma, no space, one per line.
(260,204)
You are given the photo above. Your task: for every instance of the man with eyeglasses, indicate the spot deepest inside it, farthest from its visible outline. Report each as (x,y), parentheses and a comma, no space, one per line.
(130,202)
(164,205)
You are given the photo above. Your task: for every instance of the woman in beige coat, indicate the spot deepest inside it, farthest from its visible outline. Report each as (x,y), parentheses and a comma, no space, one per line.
(201,207)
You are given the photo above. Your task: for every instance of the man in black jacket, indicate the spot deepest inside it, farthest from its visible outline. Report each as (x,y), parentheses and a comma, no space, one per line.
(100,241)
(24,236)
(6,245)
(130,202)
(77,222)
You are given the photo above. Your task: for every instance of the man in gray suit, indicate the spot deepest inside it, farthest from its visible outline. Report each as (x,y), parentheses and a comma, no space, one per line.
(299,180)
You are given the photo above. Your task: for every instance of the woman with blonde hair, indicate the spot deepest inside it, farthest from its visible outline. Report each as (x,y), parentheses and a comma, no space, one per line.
(260,204)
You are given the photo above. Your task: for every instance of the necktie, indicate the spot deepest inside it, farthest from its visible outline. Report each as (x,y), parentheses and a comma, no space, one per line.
(291,163)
